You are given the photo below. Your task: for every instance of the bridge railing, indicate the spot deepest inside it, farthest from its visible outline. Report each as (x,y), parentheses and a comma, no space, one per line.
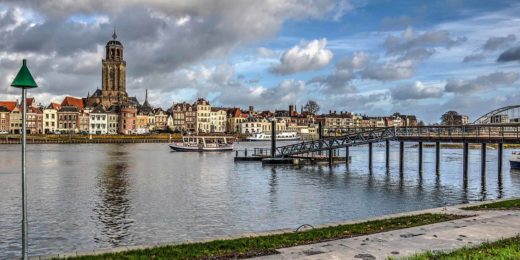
(485,130)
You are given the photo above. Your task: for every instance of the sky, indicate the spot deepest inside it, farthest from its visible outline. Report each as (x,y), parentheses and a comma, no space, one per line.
(367,57)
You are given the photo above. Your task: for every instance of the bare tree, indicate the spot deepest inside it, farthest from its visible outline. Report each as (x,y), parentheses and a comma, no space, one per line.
(450,118)
(312,107)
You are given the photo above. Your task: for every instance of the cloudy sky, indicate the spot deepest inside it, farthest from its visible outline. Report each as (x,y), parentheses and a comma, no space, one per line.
(370,57)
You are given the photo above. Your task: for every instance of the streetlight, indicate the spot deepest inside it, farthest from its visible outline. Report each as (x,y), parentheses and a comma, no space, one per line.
(24,80)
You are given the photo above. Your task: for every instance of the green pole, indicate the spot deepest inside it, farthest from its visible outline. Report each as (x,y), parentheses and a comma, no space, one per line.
(24,80)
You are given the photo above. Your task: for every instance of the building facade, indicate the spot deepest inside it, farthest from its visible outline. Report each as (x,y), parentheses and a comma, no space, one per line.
(98,123)
(218,119)
(184,117)
(68,119)
(203,116)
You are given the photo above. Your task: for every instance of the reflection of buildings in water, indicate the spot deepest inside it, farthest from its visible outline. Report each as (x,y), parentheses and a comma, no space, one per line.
(273,181)
(113,205)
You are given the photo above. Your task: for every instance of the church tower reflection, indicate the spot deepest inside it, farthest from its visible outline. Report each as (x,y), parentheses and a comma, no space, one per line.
(111,212)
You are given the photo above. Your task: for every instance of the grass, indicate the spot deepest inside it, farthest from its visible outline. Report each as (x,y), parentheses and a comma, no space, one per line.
(513,204)
(264,245)
(503,249)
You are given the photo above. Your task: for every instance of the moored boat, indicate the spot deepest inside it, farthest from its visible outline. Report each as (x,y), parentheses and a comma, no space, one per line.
(203,144)
(284,136)
(515,160)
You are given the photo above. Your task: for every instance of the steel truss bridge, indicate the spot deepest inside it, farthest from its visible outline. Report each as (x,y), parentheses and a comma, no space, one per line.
(510,113)
(485,133)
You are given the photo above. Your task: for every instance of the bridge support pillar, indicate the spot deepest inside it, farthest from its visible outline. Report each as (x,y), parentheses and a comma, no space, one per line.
(500,153)
(465,155)
(401,156)
(437,156)
(320,134)
(273,138)
(420,156)
(347,155)
(370,156)
(483,159)
(387,154)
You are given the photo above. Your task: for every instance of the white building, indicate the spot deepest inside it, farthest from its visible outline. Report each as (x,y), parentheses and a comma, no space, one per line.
(112,123)
(169,122)
(203,116)
(218,119)
(98,121)
(50,119)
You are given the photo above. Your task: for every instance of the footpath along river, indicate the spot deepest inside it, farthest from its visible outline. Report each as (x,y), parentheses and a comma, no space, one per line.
(93,196)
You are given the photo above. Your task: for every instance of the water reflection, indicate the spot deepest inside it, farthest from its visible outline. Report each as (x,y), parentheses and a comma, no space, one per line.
(483,190)
(500,186)
(113,206)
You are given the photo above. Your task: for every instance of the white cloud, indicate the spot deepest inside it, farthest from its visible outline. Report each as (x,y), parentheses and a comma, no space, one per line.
(304,57)
(416,91)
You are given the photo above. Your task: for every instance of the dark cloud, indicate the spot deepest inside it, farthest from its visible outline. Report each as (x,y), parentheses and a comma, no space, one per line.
(396,23)
(473,57)
(410,40)
(482,83)
(512,54)
(64,40)
(415,91)
(390,70)
(495,43)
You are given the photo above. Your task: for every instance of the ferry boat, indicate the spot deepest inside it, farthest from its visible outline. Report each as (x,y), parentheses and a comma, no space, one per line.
(515,160)
(203,144)
(285,136)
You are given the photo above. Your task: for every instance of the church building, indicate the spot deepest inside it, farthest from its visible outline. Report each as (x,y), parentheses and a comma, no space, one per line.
(113,79)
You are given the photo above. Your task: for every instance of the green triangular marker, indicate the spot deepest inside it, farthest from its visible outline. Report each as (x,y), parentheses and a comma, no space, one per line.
(24,78)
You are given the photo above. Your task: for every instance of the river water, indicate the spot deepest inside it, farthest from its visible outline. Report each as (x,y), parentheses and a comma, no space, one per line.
(93,196)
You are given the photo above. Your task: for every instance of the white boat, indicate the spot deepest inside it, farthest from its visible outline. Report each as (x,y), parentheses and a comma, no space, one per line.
(203,144)
(515,160)
(284,136)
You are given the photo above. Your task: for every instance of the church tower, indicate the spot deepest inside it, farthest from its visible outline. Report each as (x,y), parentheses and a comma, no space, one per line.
(113,79)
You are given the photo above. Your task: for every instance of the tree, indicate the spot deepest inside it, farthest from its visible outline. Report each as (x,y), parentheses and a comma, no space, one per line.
(450,118)
(312,107)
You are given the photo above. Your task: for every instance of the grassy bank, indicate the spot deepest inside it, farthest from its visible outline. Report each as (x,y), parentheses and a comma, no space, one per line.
(264,245)
(502,249)
(513,204)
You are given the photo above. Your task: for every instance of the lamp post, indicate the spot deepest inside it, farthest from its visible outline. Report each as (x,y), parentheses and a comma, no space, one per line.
(24,80)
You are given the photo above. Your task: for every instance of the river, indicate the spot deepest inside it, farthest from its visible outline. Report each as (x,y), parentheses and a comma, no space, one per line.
(93,196)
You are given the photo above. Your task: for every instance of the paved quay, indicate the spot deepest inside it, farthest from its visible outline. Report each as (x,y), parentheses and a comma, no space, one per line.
(446,236)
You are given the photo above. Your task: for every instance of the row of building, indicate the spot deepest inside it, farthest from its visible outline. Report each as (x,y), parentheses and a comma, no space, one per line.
(74,115)
(110,110)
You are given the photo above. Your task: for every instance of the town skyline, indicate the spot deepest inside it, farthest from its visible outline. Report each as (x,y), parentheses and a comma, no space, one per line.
(418,63)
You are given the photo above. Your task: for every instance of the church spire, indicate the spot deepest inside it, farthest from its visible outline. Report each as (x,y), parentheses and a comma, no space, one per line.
(146,104)
(114,35)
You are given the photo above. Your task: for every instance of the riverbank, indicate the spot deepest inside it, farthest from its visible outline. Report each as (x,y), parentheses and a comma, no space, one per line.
(95,139)
(323,239)
(467,238)
(265,243)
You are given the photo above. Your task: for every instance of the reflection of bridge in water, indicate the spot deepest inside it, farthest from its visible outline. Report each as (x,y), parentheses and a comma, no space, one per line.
(481,134)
